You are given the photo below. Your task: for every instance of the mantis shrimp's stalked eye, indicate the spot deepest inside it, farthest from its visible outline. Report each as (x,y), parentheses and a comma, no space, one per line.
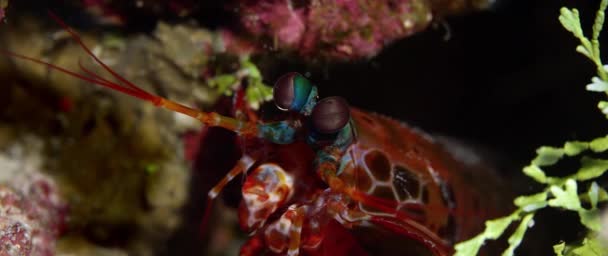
(330,115)
(294,92)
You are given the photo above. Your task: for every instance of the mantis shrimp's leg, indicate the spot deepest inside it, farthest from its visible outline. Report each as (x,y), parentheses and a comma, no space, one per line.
(295,232)
(266,189)
(285,233)
(241,167)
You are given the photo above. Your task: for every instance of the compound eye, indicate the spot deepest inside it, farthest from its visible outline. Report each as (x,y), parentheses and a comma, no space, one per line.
(330,115)
(291,92)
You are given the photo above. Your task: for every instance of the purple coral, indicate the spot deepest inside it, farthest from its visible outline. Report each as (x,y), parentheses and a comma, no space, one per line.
(333,29)
(31,216)
(342,29)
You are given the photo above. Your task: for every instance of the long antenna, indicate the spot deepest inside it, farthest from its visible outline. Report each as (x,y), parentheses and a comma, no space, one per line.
(242,128)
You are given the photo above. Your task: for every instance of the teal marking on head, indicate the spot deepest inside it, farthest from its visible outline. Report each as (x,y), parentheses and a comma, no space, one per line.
(282,132)
(311,102)
(302,88)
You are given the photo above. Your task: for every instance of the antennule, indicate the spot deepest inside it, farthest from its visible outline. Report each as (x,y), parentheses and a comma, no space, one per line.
(242,128)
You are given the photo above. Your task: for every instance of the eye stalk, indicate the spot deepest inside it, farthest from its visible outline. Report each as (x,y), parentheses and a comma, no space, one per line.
(330,115)
(293,92)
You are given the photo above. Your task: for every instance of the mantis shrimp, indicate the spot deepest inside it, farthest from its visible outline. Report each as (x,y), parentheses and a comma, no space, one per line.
(332,165)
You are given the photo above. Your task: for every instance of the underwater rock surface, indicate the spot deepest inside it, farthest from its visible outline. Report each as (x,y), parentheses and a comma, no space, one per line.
(32,212)
(335,29)
(341,30)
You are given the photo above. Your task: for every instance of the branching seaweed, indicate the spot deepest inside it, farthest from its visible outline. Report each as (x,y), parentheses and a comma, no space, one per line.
(256,93)
(562,192)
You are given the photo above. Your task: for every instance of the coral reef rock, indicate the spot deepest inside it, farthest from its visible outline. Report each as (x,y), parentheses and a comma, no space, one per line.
(345,29)
(32,213)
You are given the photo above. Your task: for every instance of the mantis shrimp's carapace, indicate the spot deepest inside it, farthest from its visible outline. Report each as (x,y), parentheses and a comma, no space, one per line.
(338,180)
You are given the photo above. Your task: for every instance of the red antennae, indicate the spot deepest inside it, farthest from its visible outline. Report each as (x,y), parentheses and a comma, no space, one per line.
(211,119)
(72,73)
(78,40)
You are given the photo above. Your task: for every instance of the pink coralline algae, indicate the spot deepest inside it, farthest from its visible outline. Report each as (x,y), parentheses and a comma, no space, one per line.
(330,29)
(31,217)
(342,29)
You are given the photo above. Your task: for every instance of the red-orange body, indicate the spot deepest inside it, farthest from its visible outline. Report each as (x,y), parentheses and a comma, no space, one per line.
(420,179)
(414,188)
